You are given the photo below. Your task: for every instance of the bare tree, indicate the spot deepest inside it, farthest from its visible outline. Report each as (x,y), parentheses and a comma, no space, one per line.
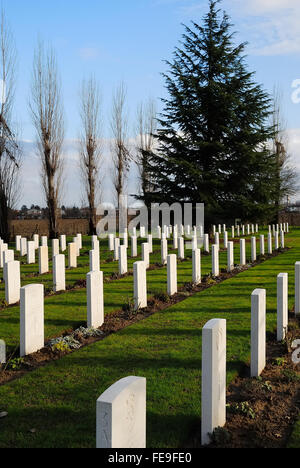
(90,150)
(146,128)
(286,175)
(120,150)
(47,115)
(10,154)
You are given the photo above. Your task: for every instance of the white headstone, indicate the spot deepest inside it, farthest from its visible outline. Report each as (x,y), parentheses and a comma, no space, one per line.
(111,242)
(36,241)
(121,415)
(95,301)
(230,256)
(43,260)
(12,278)
(146,254)
(180,249)
(242,252)
(18,243)
(206,243)
(76,241)
(253,249)
(164,250)
(72,255)
(269,243)
(79,237)
(2,352)
(55,247)
(134,246)
(213,378)
(258,332)
(172,274)
(116,248)
(59,273)
(94,260)
(30,252)
(150,243)
(63,243)
(23,250)
(196,262)
(225,239)
(44,241)
(262,244)
(8,256)
(215,260)
(217,239)
(123,266)
(282,306)
(31,319)
(276,241)
(125,239)
(175,238)
(140,285)
(282,239)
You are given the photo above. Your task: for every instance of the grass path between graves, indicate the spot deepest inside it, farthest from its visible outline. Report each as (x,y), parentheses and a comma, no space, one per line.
(66,311)
(58,401)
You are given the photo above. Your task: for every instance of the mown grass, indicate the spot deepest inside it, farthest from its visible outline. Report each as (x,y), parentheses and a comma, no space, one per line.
(294,441)
(58,401)
(68,310)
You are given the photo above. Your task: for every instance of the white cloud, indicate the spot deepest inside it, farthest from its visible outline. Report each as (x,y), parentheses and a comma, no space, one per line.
(270,26)
(32,192)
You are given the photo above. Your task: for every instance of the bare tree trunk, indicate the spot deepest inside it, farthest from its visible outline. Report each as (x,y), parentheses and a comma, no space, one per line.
(120,150)
(10,156)
(285,174)
(47,115)
(146,128)
(90,155)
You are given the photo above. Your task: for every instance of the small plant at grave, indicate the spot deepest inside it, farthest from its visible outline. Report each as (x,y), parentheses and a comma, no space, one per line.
(189,287)
(87,332)
(128,306)
(279,362)
(211,280)
(267,386)
(60,347)
(241,408)
(220,436)
(66,343)
(290,376)
(162,297)
(15,364)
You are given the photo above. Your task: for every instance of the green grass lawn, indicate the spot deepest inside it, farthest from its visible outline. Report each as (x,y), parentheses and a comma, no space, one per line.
(294,441)
(68,310)
(59,400)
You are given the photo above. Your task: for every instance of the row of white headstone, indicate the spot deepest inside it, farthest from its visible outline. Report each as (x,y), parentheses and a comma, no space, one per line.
(121,409)
(248,229)
(95,277)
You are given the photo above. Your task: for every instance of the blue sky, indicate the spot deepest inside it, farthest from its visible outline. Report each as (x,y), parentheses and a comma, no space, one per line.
(128,40)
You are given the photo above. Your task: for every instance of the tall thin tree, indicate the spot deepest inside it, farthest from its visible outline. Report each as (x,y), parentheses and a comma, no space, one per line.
(120,148)
(286,176)
(146,129)
(90,149)
(10,154)
(47,114)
